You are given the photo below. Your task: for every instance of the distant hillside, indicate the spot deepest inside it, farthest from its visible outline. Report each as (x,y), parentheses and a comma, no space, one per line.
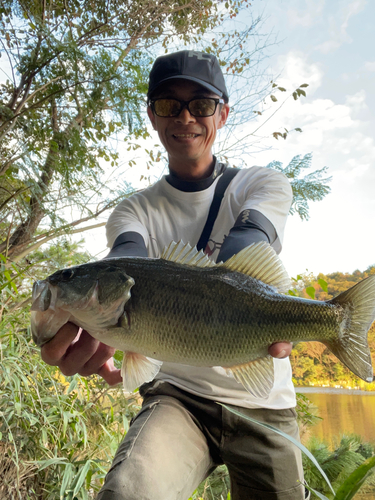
(313,363)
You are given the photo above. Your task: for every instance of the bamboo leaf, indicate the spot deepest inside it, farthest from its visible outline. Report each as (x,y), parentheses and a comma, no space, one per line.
(81,477)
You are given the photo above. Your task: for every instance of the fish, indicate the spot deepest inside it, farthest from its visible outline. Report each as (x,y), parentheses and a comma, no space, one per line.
(184,308)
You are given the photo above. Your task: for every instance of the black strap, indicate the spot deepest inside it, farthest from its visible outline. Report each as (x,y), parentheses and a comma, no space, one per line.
(220,189)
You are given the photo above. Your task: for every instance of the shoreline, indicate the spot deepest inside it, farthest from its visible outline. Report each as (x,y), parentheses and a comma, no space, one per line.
(332,390)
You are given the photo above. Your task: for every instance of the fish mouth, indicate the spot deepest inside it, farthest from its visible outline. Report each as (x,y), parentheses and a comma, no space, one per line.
(46,317)
(41,296)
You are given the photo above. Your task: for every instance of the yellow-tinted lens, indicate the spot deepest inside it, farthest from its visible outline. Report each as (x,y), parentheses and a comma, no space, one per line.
(167,107)
(202,107)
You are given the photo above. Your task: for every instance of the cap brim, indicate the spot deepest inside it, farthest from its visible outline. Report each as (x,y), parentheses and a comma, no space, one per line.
(192,79)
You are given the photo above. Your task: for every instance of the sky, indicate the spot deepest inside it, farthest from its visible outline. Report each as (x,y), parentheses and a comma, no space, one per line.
(327,44)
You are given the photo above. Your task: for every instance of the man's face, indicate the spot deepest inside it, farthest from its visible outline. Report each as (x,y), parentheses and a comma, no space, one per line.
(188,139)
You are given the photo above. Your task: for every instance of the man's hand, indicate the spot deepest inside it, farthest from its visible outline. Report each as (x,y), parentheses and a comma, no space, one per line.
(75,351)
(280,350)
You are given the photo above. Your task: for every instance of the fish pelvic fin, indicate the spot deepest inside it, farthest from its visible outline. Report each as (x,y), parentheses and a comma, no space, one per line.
(261,262)
(137,369)
(351,348)
(257,377)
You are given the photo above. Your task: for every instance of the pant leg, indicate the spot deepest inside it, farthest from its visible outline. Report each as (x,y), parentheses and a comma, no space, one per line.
(164,455)
(262,464)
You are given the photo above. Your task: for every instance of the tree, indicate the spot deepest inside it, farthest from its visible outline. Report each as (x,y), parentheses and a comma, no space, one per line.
(76,81)
(76,75)
(312,187)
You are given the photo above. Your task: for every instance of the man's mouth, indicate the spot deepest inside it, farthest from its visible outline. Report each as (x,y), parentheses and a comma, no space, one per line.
(185,136)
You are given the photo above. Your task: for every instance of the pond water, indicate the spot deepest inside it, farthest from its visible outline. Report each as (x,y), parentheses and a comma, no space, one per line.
(343,412)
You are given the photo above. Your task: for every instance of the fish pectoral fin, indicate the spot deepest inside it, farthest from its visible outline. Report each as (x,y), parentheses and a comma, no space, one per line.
(257,376)
(137,369)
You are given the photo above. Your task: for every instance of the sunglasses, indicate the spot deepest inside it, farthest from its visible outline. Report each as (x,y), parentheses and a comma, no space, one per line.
(198,107)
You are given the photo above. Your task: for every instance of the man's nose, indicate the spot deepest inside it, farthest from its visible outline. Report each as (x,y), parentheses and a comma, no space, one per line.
(185,117)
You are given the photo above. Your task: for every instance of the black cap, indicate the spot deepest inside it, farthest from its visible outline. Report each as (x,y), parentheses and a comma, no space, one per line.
(198,67)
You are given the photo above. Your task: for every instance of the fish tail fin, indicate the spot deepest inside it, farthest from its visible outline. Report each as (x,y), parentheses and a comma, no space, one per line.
(351,348)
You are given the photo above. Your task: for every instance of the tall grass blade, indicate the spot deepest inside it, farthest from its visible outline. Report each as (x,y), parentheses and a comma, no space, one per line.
(286,436)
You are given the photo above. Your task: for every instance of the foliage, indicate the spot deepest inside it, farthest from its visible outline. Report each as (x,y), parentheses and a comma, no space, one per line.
(58,434)
(311,187)
(343,466)
(76,82)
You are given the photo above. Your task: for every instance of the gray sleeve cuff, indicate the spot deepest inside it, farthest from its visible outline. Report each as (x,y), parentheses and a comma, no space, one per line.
(250,227)
(129,244)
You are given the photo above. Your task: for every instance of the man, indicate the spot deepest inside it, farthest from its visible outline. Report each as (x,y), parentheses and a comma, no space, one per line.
(181,434)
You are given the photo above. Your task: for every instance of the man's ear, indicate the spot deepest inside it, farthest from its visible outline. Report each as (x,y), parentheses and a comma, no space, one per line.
(224,112)
(151,116)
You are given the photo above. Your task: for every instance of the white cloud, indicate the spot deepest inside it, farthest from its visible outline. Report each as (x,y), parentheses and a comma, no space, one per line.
(307,15)
(369,66)
(295,70)
(339,24)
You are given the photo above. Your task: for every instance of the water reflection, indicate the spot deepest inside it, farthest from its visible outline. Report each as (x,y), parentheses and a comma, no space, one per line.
(343,412)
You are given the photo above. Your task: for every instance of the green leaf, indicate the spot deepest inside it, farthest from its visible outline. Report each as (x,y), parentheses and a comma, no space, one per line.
(72,385)
(66,480)
(289,438)
(81,477)
(356,479)
(323,284)
(273,98)
(42,464)
(304,85)
(310,290)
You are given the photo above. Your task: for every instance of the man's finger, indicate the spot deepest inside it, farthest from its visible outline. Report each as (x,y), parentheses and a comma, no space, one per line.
(102,354)
(110,374)
(280,350)
(54,351)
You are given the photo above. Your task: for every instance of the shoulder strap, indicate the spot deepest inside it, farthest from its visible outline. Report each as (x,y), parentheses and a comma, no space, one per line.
(220,189)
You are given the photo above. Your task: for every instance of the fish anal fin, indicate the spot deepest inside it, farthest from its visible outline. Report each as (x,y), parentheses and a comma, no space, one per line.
(137,369)
(257,376)
(261,262)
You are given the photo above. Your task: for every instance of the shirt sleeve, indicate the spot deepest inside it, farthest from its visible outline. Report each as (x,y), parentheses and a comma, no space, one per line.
(250,227)
(263,197)
(126,218)
(269,193)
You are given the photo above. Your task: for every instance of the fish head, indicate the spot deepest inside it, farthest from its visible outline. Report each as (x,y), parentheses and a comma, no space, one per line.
(92,296)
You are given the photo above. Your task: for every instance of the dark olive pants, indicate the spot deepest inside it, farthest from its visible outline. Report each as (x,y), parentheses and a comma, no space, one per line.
(178,439)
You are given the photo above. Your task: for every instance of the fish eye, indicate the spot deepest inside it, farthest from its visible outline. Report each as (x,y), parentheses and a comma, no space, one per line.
(67,274)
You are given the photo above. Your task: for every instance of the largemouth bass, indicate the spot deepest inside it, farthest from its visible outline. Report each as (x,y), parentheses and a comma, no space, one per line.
(183,308)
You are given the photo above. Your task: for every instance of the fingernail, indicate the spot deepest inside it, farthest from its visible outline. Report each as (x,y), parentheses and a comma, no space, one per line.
(281,354)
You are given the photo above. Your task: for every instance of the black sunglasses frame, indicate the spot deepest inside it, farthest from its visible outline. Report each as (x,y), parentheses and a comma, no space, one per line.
(185,104)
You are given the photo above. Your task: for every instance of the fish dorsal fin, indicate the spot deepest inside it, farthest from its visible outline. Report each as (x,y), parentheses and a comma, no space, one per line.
(186,254)
(257,376)
(261,262)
